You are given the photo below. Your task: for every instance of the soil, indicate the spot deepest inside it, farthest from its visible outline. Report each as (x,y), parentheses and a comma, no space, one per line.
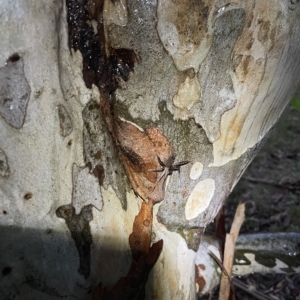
(271,189)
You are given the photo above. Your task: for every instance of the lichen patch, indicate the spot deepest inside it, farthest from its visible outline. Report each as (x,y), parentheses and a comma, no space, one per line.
(200,198)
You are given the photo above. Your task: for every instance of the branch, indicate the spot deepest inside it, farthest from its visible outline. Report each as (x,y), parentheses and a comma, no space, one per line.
(254,253)
(270,182)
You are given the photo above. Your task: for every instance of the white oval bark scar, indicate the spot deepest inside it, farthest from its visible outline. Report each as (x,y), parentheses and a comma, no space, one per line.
(200,198)
(188,93)
(196,170)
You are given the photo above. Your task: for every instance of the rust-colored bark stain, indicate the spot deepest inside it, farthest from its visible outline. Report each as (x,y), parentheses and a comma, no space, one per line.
(140,238)
(144,256)
(200,281)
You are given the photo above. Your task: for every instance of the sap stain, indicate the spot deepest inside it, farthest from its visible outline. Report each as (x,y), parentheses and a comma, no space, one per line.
(14,58)
(97,155)
(81,233)
(99,68)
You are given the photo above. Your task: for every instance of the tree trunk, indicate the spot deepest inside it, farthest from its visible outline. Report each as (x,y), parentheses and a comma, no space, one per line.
(124,127)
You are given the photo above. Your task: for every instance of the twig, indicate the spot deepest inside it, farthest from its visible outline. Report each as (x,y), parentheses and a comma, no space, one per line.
(258,180)
(258,295)
(231,238)
(225,273)
(218,261)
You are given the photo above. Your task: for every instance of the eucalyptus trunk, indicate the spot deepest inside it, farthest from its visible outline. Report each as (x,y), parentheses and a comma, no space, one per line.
(124,127)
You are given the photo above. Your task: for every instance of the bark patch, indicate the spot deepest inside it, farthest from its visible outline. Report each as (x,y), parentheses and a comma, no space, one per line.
(4,167)
(81,233)
(14,92)
(65,121)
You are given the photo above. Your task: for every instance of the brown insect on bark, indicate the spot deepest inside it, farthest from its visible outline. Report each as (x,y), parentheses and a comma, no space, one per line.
(145,154)
(168,167)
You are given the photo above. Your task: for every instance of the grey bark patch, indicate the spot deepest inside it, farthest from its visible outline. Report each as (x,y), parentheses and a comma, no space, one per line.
(100,154)
(293,5)
(155,77)
(86,190)
(81,233)
(192,237)
(4,168)
(217,89)
(14,92)
(171,212)
(65,121)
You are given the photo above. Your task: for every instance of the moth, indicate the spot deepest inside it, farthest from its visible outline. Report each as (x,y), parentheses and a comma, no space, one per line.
(145,154)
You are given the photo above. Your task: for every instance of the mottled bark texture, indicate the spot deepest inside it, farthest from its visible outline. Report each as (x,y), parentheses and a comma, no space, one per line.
(124,127)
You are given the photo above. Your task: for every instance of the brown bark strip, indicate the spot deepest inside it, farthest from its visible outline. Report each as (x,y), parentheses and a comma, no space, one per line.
(140,238)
